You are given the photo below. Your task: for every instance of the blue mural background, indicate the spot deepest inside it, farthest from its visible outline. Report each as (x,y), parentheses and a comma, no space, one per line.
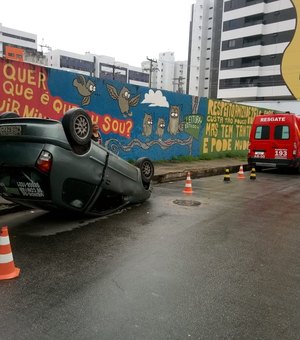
(144,139)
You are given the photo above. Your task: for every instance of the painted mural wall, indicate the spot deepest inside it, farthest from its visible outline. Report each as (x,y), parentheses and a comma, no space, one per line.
(290,66)
(134,121)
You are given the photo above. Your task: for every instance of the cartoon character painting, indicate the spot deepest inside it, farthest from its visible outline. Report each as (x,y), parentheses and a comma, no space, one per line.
(85,88)
(147,125)
(174,120)
(160,129)
(123,98)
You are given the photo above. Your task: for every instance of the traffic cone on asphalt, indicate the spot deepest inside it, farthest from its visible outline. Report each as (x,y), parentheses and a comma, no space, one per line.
(188,184)
(227,176)
(7,266)
(253,174)
(241,173)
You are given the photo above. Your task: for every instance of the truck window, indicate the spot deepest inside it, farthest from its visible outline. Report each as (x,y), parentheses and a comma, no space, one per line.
(262,132)
(281,132)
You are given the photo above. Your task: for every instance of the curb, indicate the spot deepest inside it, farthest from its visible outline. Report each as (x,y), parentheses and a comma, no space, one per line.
(197,173)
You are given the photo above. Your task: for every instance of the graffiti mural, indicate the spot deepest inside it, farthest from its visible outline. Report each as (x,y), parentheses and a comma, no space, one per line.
(134,121)
(226,128)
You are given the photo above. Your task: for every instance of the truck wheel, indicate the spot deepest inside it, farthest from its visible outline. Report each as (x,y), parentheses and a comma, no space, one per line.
(147,169)
(77,125)
(9,115)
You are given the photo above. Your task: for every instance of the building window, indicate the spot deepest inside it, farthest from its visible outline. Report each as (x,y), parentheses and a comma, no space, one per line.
(231,43)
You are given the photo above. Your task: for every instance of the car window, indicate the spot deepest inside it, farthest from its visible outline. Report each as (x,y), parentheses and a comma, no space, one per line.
(282,132)
(262,132)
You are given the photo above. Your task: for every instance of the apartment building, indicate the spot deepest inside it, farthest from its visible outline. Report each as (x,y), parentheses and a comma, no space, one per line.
(180,76)
(166,73)
(255,35)
(104,67)
(17,45)
(200,45)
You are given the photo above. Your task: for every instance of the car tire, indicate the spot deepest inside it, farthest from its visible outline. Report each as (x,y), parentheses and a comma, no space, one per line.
(77,125)
(147,169)
(9,115)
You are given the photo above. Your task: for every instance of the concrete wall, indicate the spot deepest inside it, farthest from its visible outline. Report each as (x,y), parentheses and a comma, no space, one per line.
(134,121)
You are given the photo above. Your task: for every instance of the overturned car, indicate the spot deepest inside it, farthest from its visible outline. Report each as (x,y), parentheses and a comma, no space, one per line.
(51,164)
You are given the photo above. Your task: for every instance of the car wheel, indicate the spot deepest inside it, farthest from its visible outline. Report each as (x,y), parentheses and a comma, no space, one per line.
(146,167)
(78,127)
(9,115)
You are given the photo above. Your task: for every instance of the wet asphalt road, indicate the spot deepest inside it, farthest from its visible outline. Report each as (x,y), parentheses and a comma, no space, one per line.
(228,268)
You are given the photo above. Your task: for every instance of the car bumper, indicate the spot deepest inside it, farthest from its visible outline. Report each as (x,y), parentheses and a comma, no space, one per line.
(274,163)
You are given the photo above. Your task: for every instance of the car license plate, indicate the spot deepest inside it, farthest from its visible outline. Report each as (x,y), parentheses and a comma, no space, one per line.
(11,130)
(281,153)
(259,154)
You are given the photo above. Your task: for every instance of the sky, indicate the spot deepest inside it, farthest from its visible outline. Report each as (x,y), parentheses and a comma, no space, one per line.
(130,31)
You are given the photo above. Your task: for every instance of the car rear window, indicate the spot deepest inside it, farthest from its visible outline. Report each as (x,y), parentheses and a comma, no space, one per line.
(282,132)
(262,132)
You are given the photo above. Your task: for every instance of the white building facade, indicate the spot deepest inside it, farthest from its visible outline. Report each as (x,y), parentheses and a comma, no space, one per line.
(10,37)
(255,34)
(103,67)
(200,44)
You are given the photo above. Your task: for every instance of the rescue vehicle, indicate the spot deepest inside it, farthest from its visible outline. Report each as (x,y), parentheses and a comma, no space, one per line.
(275,141)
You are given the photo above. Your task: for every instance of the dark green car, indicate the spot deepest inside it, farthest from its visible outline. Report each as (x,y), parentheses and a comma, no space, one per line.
(52,164)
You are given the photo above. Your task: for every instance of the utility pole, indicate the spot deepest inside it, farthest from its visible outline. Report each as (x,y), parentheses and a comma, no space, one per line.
(151,69)
(42,45)
(113,67)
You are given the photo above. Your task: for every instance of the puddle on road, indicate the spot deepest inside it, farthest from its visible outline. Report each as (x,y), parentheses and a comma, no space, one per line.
(187,203)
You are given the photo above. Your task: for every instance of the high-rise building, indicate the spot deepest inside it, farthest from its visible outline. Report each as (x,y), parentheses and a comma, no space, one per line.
(215,49)
(255,35)
(200,45)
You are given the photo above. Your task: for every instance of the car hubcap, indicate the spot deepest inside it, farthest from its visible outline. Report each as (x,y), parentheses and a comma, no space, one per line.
(81,127)
(147,170)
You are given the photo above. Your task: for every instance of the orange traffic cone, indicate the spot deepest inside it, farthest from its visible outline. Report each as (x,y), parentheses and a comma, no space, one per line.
(7,267)
(241,173)
(188,184)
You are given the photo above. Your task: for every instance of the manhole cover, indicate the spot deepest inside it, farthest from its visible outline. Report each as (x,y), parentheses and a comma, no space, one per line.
(186,203)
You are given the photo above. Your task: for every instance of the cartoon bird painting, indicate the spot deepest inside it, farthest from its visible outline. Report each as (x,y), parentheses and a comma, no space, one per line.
(174,119)
(160,127)
(85,88)
(123,99)
(147,125)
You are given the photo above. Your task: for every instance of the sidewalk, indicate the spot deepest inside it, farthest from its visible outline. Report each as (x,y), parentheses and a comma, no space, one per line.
(170,171)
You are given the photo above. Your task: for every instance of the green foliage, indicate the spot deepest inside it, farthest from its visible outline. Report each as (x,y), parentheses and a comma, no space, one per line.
(207,157)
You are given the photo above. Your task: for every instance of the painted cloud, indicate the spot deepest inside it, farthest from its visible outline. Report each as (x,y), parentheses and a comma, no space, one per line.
(155,99)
